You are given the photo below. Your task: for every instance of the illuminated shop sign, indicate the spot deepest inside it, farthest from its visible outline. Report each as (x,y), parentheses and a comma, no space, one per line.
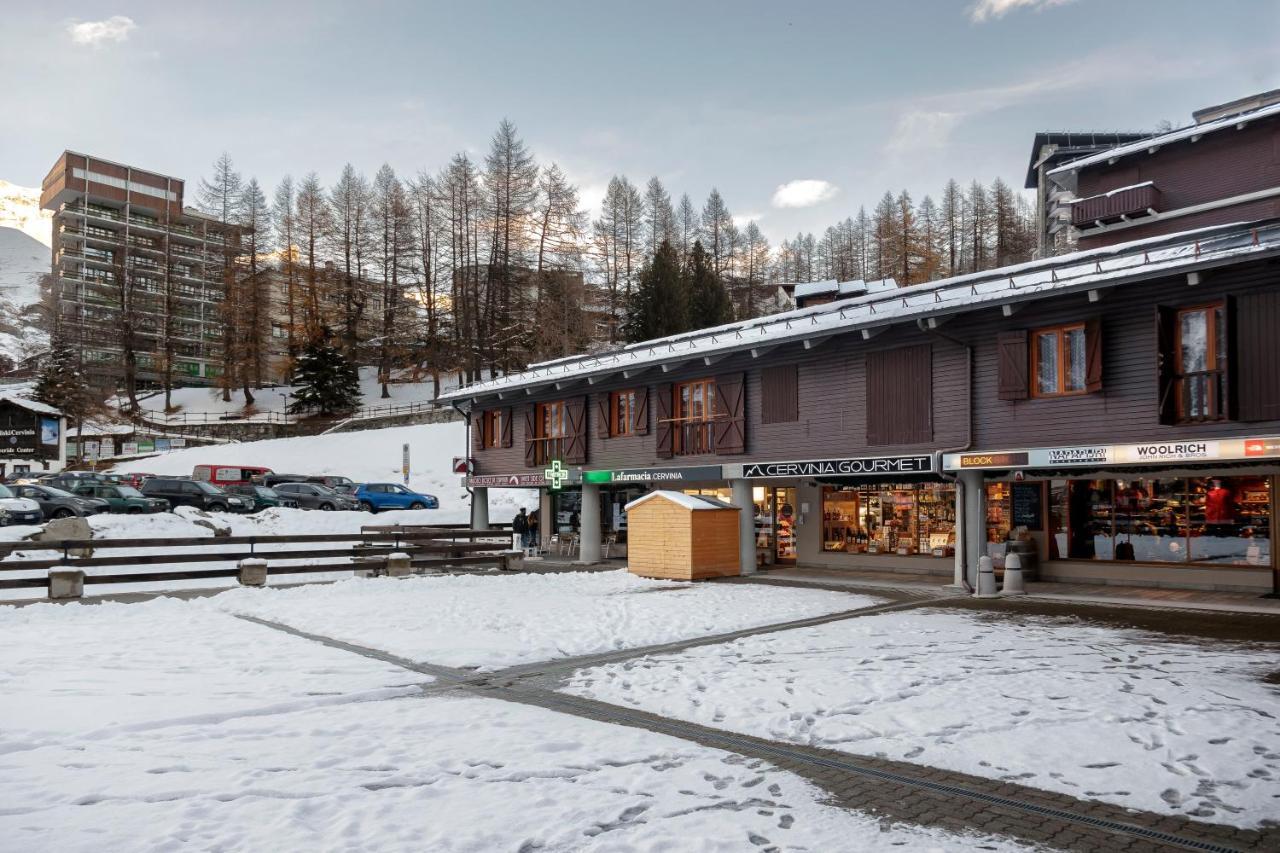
(690,474)
(859,467)
(1117,454)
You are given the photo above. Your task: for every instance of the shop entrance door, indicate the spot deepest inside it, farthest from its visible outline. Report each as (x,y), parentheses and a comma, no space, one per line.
(783,503)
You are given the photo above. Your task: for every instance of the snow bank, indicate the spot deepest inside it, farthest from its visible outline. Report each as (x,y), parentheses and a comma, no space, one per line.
(497,621)
(366,456)
(1094,712)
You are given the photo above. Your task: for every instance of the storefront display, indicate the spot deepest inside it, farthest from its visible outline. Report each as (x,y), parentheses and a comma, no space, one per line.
(1186,520)
(909,518)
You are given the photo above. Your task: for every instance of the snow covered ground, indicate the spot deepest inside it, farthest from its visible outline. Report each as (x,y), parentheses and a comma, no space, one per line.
(366,456)
(493,622)
(26,232)
(272,400)
(168,724)
(1094,712)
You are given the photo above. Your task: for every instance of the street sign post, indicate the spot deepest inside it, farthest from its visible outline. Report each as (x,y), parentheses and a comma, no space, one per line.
(404,464)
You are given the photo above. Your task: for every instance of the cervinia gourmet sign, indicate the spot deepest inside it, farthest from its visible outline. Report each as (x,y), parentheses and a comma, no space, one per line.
(857,467)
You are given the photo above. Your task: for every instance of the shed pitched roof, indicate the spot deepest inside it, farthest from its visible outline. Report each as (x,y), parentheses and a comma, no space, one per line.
(693,502)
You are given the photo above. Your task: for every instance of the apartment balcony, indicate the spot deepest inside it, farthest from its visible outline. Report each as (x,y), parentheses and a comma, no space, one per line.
(1118,205)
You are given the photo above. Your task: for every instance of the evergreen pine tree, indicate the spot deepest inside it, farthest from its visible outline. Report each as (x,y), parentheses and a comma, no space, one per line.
(61,384)
(658,306)
(328,382)
(709,303)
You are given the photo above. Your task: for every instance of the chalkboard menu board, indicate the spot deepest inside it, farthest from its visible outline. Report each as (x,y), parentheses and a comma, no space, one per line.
(1028,511)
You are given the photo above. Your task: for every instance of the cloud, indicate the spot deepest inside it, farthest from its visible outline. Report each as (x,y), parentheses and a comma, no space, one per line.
(97,33)
(804,193)
(922,129)
(985,10)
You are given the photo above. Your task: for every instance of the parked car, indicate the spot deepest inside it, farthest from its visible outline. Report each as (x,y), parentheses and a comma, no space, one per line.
(334,481)
(262,497)
(121,498)
(272,480)
(316,496)
(379,496)
(196,493)
(68,480)
(18,510)
(230,475)
(56,503)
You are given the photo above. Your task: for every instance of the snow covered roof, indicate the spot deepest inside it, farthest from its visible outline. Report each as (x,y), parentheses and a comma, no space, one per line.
(31,405)
(930,303)
(695,502)
(815,288)
(1192,133)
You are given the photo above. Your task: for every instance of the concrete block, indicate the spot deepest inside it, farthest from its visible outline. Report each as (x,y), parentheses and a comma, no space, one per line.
(986,579)
(512,561)
(66,583)
(67,528)
(399,565)
(253,571)
(1013,575)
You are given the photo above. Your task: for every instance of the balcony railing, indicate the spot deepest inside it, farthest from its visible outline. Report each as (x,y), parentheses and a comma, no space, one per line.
(692,437)
(548,448)
(1118,204)
(1200,396)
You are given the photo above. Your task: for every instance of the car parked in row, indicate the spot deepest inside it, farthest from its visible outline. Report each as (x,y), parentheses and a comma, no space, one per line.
(231,475)
(374,497)
(316,496)
(16,510)
(262,497)
(121,498)
(56,503)
(195,493)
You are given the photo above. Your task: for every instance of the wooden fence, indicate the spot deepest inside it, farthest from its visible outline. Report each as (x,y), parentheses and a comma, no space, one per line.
(371,551)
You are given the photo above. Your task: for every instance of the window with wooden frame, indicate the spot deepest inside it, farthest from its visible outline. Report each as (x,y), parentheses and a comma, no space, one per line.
(551,420)
(622,412)
(491,429)
(1059,361)
(693,415)
(1200,362)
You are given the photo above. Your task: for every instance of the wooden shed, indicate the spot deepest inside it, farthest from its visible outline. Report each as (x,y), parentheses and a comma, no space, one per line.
(682,537)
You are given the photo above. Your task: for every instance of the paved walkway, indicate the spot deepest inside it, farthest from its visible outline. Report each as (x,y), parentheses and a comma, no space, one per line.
(896,791)
(1081,593)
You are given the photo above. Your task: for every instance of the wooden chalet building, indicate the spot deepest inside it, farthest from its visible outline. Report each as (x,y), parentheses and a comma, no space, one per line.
(1115,411)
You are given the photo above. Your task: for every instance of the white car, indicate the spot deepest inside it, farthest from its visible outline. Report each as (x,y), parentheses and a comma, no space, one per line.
(15,510)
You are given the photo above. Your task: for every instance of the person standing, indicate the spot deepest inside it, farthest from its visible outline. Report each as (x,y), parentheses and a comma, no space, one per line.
(520,527)
(535,528)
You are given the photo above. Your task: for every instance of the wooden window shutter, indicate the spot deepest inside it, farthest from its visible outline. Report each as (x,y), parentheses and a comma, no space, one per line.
(530,436)
(602,415)
(779,394)
(477,430)
(731,414)
(1014,365)
(1256,386)
(663,428)
(640,417)
(575,446)
(1093,354)
(899,396)
(507,426)
(1166,364)
(1230,375)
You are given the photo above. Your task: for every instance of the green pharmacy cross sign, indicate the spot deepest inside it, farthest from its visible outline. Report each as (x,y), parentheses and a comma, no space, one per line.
(556,475)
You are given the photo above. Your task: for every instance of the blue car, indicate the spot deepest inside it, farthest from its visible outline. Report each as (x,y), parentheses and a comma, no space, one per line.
(379,496)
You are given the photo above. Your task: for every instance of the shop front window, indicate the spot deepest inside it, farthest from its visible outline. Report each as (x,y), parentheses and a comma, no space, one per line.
(910,518)
(1202,520)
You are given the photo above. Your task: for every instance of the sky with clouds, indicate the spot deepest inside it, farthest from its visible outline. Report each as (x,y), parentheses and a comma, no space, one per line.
(798,111)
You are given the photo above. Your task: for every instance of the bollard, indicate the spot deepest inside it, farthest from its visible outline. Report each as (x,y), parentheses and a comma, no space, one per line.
(986,579)
(511,561)
(253,571)
(398,565)
(1013,576)
(66,583)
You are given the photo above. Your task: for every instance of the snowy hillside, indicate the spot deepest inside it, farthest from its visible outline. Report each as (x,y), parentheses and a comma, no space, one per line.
(26,233)
(367,456)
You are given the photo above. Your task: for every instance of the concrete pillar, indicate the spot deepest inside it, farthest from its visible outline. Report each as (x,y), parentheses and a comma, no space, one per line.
(480,508)
(398,565)
(66,583)
(589,519)
(746,526)
(546,518)
(975,529)
(253,571)
(957,577)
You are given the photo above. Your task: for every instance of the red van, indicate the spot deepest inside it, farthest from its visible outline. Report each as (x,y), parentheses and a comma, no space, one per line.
(230,475)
